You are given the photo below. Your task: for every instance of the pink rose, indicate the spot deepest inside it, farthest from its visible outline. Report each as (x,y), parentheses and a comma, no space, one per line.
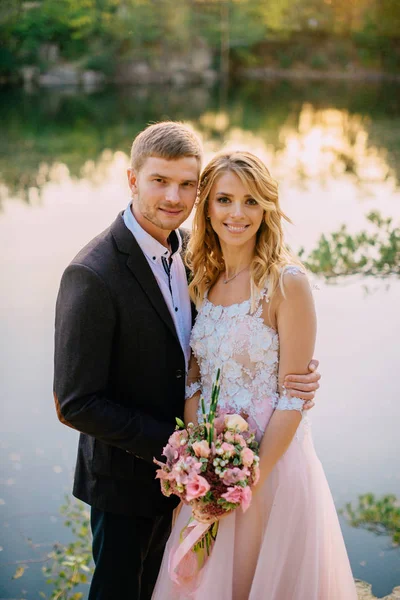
(219,424)
(197,487)
(229,436)
(234,475)
(239,439)
(228,449)
(233,495)
(201,449)
(236,422)
(164,475)
(185,469)
(170,453)
(246,498)
(247,457)
(239,495)
(175,439)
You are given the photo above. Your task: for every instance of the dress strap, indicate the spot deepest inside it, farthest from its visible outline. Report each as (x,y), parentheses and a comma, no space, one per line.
(292,270)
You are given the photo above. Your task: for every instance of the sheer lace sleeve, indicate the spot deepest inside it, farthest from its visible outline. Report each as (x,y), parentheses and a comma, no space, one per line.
(284,402)
(193,383)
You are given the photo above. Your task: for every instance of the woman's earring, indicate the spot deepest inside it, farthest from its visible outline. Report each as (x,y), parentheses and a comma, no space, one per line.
(208,218)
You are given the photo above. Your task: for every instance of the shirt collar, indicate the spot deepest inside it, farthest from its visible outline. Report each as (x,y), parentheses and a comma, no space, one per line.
(150,246)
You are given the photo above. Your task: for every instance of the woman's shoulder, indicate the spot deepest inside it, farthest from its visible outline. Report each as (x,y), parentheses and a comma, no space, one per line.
(294,282)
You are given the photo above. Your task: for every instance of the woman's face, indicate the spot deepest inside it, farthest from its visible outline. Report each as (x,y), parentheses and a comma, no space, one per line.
(235,215)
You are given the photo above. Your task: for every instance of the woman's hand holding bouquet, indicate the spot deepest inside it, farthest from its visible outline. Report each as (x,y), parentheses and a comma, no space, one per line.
(212,467)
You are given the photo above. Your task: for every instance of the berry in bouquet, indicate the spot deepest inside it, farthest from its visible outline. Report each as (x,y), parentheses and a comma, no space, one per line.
(212,467)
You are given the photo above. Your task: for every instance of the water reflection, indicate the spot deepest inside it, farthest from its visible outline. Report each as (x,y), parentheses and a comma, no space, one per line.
(310,131)
(62,168)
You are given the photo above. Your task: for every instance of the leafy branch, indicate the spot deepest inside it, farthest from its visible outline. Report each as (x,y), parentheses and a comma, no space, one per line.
(71,563)
(368,253)
(379,516)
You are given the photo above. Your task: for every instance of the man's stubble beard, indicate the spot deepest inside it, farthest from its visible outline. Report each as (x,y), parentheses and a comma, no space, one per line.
(151,216)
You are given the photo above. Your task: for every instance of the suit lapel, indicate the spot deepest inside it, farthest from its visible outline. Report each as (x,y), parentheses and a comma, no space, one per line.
(141,270)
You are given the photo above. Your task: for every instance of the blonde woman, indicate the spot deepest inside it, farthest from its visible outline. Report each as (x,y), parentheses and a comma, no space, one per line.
(256,320)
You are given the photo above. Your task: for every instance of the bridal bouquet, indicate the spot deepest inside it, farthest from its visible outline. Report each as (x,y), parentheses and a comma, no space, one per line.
(212,467)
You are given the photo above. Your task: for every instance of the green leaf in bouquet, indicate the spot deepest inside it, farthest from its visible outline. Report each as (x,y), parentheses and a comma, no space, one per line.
(208,497)
(213,407)
(243,483)
(226,505)
(204,464)
(203,409)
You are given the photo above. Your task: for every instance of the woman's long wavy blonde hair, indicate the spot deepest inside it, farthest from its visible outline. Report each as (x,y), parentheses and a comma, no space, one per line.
(204,255)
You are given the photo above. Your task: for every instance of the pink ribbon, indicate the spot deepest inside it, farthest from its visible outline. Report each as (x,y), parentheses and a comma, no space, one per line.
(175,558)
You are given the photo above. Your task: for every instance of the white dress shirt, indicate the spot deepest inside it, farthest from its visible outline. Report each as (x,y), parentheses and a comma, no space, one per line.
(169,271)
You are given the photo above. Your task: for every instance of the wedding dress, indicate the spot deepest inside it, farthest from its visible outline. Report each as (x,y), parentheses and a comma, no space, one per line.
(288,545)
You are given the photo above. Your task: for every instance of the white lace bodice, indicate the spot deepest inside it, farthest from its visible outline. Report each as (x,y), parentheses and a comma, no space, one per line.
(237,340)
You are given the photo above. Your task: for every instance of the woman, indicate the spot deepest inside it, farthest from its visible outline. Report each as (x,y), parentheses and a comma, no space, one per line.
(256,321)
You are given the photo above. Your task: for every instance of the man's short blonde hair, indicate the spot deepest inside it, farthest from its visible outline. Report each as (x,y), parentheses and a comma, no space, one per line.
(169,139)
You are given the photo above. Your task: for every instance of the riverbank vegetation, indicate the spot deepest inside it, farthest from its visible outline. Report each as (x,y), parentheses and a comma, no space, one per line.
(108,36)
(68,567)
(379,515)
(372,252)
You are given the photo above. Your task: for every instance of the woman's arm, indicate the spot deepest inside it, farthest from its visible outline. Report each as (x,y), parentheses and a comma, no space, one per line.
(192,392)
(296,323)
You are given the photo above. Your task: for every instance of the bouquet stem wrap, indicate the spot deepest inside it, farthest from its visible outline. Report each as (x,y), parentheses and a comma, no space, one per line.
(188,559)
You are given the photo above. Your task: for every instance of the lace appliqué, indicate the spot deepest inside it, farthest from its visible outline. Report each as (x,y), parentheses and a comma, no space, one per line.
(191,389)
(293,270)
(236,339)
(285,402)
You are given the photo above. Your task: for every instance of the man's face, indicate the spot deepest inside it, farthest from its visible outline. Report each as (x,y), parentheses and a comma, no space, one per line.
(164,192)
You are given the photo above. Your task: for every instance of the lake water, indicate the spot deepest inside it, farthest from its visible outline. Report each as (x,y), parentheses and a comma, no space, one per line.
(334,149)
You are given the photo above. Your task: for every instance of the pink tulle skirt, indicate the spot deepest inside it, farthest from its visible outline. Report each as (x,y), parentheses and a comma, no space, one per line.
(287,546)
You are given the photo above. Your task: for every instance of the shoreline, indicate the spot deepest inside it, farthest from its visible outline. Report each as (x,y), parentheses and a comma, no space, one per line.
(364,592)
(64,75)
(265,73)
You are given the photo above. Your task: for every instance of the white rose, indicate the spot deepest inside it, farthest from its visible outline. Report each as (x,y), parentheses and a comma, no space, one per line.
(236,422)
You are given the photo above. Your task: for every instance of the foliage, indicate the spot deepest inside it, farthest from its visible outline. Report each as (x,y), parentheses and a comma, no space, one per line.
(71,563)
(155,28)
(375,252)
(70,129)
(382,516)
(319,61)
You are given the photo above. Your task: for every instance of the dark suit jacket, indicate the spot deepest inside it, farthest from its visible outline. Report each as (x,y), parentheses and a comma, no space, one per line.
(119,373)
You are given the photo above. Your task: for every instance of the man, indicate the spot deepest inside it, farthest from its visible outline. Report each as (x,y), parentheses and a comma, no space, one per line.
(123,321)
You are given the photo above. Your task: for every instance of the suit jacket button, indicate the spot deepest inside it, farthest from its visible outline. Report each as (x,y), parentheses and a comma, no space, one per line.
(179,374)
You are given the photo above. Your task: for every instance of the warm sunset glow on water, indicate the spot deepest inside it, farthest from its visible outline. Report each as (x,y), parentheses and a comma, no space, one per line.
(332,169)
